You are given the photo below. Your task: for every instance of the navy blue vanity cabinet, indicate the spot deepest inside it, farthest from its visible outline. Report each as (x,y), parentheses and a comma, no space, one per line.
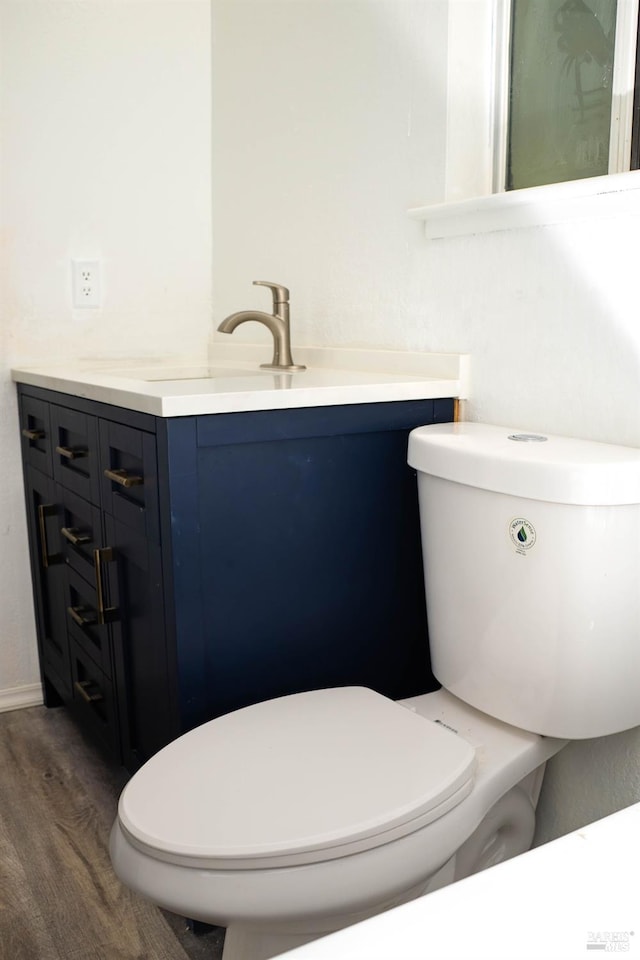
(184,567)
(294,557)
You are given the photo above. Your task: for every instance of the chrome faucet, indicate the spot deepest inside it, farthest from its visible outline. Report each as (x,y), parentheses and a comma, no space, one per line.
(277,322)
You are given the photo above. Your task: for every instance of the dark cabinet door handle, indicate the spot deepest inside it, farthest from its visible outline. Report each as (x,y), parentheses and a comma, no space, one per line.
(123,478)
(79,616)
(103,555)
(74,536)
(82,688)
(72,453)
(33,434)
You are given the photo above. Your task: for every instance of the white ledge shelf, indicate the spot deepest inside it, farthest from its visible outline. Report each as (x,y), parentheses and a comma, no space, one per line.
(608,196)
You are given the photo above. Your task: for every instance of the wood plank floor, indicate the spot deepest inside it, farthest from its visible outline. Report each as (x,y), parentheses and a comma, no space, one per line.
(59,897)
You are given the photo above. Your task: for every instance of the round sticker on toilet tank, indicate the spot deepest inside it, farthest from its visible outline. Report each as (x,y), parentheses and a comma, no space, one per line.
(523,535)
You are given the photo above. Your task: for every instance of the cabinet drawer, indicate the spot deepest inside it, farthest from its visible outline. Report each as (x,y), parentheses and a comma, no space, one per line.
(93,700)
(80,532)
(83,621)
(148,718)
(128,474)
(55,660)
(35,429)
(49,577)
(75,451)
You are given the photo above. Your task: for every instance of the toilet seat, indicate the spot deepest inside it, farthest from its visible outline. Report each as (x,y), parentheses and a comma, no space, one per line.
(303,778)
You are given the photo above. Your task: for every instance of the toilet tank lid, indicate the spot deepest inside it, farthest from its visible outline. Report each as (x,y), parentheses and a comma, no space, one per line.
(522,463)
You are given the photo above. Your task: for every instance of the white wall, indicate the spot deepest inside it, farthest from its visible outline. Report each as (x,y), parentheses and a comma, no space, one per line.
(105,120)
(328,125)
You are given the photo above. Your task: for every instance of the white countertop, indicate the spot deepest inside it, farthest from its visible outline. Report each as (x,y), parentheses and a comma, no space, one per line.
(573,898)
(233,381)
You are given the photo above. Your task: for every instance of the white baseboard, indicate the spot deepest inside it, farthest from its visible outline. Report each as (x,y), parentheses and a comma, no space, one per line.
(15,698)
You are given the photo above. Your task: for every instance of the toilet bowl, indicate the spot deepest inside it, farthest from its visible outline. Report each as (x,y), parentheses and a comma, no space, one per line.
(365,803)
(295,817)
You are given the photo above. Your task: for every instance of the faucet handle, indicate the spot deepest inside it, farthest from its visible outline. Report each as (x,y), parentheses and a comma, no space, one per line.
(280,293)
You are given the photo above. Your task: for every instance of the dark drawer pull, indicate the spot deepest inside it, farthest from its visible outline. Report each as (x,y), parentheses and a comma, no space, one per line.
(105,614)
(81,687)
(77,614)
(74,536)
(123,478)
(72,453)
(33,434)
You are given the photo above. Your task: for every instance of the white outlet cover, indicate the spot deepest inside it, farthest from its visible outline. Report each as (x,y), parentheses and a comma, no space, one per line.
(86,283)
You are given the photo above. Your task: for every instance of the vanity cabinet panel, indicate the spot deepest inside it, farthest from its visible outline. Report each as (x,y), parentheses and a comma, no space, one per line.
(84,623)
(93,701)
(129,476)
(294,555)
(320,581)
(188,566)
(75,451)
(48,574)
(143,674)
(80,532)
(35,431)
(84,581)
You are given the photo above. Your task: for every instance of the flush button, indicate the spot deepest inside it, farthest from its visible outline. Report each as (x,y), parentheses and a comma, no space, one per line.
(528,437)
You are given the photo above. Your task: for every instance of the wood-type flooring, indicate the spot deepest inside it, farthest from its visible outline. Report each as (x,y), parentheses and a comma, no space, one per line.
(59,897)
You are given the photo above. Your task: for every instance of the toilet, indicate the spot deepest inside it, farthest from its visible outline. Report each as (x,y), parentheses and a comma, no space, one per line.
(292,818)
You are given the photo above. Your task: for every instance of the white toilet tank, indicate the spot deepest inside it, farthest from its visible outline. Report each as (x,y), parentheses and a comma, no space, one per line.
(531,548)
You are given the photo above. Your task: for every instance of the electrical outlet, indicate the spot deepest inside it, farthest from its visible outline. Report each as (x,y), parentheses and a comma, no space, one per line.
(85,283)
